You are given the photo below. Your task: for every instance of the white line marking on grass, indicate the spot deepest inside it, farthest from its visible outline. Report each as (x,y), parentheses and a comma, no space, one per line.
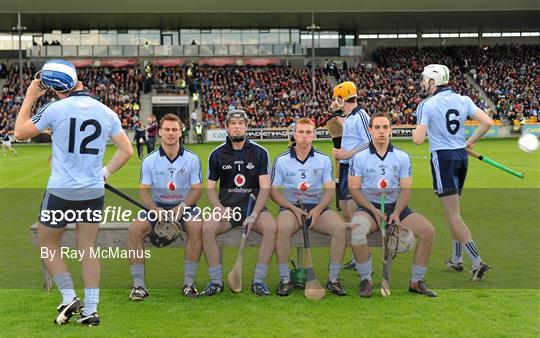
(25,177)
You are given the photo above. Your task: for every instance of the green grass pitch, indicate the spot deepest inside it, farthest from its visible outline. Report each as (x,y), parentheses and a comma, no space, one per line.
(501,210)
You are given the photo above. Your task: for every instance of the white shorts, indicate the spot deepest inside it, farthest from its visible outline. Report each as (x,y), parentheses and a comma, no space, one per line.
(6,144)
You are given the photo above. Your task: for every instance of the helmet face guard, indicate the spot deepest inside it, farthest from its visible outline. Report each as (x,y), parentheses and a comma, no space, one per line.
(237,114)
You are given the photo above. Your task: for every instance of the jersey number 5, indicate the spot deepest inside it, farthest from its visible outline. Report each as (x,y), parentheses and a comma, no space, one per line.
(452,125)
(84,149)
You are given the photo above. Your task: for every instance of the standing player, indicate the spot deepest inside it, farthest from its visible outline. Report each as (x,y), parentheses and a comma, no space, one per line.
(81,127)
(443,116)
(171,179)
(304,172)
(380,162)
(355,136)
(242,168)
(6,142)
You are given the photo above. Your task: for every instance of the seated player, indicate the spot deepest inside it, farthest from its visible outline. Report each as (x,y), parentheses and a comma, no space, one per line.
(171,179)
(242,168)
(381,168)
(306,174)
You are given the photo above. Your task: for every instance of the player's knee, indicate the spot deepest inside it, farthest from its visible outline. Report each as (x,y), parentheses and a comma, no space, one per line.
(208,230)
(270,229)
(427,232)
(360,227)
(339,231)
(139,230)
(194,230)
(285,229)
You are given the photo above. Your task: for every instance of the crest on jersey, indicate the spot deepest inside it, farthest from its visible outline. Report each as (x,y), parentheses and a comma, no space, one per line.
(303,186)
(250,166)
(172,186)
(239,180)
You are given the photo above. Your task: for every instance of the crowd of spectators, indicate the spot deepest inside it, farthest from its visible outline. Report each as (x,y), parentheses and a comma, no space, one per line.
(510,75)
(271,96)
(118,88)
(274,96)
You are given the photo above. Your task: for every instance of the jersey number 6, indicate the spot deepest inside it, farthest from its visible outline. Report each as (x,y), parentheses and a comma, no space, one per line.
(450,123)
(84,149)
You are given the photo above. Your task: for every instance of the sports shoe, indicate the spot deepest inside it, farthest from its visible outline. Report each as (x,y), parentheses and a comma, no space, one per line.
(138,293)
(478,274)
(421,287)
(366,288)
(284,288)
(336,287)
(65,312)
(457,267)
(90,320)
(211,289)
(259,289)
(350,265)
(189,291)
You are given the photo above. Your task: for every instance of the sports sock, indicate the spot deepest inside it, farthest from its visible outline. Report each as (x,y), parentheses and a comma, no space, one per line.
(137,272)
(190,271)
(215,274)
(333,271)
(260,273)
(471,250)
(91,300)
(456,256)
(417,273)
(64,283)
(284,272)
(364,270)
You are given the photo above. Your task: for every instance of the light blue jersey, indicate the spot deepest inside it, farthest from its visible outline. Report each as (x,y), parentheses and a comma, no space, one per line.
(302,180)
(171,179)
(374,170)
(80,128)
(445,114)
(355,131)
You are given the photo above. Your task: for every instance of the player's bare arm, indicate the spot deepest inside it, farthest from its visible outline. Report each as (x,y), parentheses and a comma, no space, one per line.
(24,127)
(419,134)
(355,182)
(485,123)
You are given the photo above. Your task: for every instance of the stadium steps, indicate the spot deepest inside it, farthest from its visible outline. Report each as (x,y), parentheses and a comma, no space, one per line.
(146,106)
(480,91)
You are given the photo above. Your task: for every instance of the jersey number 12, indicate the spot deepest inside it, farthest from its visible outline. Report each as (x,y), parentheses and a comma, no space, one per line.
(83,148)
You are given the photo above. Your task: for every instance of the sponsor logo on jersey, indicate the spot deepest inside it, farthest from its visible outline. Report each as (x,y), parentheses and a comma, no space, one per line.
(239,180)
(227,167)
(250,166)
(171,186)
(238,162)
(382,183)
(303,186)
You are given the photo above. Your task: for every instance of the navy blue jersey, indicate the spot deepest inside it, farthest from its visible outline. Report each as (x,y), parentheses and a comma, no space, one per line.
(238,171)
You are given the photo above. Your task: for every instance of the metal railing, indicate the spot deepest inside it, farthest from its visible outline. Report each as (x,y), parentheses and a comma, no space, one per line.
(164,51)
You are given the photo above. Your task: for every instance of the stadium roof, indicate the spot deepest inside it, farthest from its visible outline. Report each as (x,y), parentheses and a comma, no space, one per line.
(352,15)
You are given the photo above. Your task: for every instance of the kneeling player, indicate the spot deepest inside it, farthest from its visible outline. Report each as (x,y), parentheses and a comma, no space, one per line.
(303,172)
(174,176)
(242,169)
(381,165)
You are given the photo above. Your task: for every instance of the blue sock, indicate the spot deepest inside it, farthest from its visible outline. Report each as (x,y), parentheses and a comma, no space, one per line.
(456,255)
(190,272)
(260,273)
(137,272)
(284,272)
(417,273)
(91,300)
(216,274)
(64,283)
(364,270)
(333,271)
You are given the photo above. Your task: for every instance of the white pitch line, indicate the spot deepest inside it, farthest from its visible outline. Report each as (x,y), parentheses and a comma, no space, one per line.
(25,177)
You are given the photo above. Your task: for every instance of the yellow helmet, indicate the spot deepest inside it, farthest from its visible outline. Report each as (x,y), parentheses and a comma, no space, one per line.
(345,90)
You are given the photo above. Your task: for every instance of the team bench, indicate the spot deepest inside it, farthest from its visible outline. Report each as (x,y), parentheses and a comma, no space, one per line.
(116,235)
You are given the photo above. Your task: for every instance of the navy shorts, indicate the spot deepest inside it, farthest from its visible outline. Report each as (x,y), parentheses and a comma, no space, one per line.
(56,212)
(449,169)
(344,193)
(308,208)
(388,210)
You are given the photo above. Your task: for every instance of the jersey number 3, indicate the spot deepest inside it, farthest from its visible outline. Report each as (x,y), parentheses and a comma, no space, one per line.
(452,125)
(84,149)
